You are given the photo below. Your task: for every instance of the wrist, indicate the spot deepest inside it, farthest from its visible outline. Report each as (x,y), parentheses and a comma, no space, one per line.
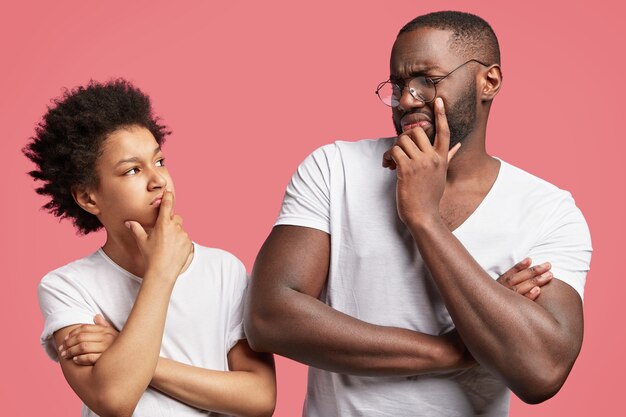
(160,277)
(420,224)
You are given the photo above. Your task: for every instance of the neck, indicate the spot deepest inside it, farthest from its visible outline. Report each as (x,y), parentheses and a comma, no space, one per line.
(123,250)
(471,163)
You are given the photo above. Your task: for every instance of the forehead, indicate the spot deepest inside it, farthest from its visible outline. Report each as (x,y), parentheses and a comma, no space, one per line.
(132,141)
(420,50)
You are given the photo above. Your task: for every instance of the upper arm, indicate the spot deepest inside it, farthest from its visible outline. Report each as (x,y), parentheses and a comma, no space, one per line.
(565,306)
(293,263)
(242,358)
(564,241)
(292,258)
(77,376)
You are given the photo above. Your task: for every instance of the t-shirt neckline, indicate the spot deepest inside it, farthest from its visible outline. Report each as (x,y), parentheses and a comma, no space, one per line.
(489,196)
(139,279)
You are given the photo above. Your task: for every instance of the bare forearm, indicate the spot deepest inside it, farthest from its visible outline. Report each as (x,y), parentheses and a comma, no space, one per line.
(237,393)
(125,369)
(305,329)
(518,339)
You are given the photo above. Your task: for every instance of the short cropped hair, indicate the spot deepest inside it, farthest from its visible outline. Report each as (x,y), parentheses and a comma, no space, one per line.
(472,36)
(68,142)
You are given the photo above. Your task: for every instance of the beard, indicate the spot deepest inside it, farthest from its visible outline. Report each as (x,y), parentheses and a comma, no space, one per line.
(461,117)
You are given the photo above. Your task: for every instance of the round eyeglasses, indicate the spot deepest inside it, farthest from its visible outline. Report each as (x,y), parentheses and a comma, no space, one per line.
(422,87)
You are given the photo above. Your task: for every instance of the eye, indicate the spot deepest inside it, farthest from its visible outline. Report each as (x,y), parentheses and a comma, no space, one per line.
(160,162)
(432,80)
(132,171)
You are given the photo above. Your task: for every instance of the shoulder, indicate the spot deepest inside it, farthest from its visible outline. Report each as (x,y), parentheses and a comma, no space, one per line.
(532,189)
(221,265)
(542,202)
(348,150)
(72,273)
(217,256)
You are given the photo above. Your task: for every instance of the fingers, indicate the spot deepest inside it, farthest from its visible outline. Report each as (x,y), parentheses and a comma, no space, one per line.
(136,230)
(101,321)
(442,138)
(453,151)
(534,283)
(167,207)
(533,293)
(529,274)
(82,348)
(88,333)
(87,328)
(417,140)
(86,360)
(520,266)
(388,161)
(413,143)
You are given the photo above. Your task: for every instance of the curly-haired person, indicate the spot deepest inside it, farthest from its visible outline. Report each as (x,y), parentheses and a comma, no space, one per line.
(151,323)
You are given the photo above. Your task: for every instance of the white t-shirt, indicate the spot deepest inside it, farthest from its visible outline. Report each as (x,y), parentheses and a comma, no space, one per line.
(377,274)
(204,319)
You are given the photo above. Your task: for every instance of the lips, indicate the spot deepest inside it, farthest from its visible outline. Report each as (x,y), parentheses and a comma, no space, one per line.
(156,202)
(412,120)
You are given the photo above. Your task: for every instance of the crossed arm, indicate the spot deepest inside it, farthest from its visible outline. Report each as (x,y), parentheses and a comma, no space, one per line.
(284,315)
(531,346)
(250,372)
(121,366)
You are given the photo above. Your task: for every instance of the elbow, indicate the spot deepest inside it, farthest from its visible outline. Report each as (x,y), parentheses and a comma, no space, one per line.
(545,385)
(259,327)
(111,403)
(266,409)
(262,404)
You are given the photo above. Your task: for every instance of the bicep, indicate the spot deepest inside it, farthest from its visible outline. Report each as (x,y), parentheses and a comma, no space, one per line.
(564,304)
(242,358)
(295,258)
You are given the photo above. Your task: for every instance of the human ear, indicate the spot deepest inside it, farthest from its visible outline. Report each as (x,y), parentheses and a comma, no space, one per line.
(491,82)
(85,199)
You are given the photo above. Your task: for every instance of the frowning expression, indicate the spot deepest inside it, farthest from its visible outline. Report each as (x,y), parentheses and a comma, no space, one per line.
(131,178)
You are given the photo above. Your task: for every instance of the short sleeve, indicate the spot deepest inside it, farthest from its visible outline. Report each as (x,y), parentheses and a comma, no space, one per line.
(565,242)
(62,305)
(239,280)
(307,197)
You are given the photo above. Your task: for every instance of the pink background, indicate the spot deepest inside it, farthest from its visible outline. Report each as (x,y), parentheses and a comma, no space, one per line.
(251,88)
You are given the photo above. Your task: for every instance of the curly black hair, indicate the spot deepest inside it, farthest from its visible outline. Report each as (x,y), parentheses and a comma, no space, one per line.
(68,142)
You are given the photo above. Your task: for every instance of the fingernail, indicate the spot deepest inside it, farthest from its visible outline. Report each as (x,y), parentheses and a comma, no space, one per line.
(535,290)
(546,275)
(63,354)
(440,103)
(61,348)
(545,264)
(66,337)
(127,224)
(75,358)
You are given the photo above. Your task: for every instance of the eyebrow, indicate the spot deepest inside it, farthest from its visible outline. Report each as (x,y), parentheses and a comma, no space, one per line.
(417,73)
(135,159)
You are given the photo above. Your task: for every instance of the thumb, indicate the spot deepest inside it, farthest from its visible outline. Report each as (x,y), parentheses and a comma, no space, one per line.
(453,151)
(136,230)
(100,320)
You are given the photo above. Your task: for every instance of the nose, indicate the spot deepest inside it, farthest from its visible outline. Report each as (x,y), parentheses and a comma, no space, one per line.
(157,180)
(408,99)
